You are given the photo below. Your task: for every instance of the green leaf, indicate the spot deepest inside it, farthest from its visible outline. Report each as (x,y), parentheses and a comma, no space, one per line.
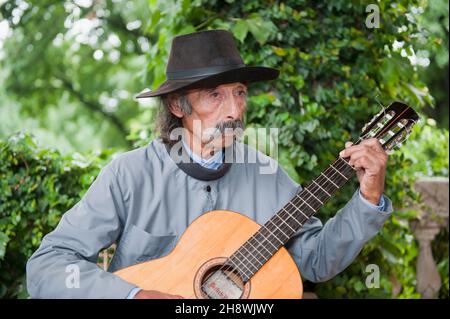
(278,51)
(3,242)
(240,30)
(261,29)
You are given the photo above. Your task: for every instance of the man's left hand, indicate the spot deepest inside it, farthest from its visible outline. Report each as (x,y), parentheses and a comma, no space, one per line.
(369,159)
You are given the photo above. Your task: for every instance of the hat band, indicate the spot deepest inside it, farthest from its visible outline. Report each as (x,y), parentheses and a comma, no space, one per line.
(178,75)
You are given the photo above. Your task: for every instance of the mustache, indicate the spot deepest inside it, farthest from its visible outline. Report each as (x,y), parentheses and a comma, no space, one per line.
(222,127)
(233,124)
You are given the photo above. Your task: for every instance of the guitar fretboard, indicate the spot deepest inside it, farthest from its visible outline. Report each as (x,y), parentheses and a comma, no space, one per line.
(277,231)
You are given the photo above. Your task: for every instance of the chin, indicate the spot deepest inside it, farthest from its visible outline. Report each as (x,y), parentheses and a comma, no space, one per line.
(223,142)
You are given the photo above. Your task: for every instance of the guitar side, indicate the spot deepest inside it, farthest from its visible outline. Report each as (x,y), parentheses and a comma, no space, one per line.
(215,234)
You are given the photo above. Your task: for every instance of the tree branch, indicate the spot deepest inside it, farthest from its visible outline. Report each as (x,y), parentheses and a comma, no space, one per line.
(94,107)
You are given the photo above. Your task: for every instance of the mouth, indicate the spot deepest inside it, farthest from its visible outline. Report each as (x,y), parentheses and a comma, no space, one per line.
(228,128)
(219,135)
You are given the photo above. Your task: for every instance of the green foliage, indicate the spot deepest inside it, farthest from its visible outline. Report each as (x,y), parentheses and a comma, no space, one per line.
(435,22)
(334,70)
(428,150)
(84,63)
(37,185)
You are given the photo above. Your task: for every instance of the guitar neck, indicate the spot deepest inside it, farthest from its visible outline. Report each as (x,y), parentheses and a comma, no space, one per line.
(277,231)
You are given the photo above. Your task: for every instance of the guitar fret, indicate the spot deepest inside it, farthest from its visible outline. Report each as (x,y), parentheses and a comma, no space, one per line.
(285,223)
(278,228)
(306,203)
(252,255)
(322,188)
(338,172)
(344,161)
(259,244)
(307,217)
(301,225)
(261,254)
(306,189)
(273,236)
(251,271)
(329,180)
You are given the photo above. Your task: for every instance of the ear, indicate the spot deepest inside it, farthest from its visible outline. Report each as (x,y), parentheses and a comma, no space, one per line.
(174,105)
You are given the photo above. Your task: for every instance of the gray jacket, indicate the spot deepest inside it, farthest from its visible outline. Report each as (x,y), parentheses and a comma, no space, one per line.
(143,201)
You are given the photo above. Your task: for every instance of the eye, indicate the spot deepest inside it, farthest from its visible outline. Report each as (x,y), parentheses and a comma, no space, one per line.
(215,94)
(242,93)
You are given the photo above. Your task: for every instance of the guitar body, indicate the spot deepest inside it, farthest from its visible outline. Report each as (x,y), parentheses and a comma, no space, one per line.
(203,248)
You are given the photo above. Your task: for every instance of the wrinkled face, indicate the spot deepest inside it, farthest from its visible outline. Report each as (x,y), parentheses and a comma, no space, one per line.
(222,106)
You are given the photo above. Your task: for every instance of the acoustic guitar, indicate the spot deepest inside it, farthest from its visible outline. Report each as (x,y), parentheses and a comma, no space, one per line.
(226,255)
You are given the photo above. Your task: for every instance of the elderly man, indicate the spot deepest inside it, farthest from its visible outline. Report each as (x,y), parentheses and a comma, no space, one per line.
(145,199)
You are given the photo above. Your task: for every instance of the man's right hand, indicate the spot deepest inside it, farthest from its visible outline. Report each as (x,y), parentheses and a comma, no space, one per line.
(153,294)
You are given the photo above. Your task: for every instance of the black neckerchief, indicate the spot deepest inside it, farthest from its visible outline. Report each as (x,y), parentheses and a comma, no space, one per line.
(197,171)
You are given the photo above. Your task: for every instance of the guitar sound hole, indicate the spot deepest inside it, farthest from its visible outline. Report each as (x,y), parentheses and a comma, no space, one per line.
(221,282)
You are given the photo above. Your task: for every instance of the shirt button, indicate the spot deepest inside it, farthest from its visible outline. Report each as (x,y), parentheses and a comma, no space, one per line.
(208,188)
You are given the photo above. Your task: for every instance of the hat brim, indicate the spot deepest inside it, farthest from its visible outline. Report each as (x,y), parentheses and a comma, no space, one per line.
(244,74)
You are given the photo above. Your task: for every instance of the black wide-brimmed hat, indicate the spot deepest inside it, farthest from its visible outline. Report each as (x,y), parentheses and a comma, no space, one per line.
(207,58)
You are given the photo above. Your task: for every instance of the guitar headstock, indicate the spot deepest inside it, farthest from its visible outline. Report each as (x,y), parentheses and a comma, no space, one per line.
(391,126)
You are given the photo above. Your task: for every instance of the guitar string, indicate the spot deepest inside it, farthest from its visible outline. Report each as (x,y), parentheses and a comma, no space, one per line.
(314,211)
(284,211)
(297,204)
(237,267)
(265,238)
(395,120)
(273,231)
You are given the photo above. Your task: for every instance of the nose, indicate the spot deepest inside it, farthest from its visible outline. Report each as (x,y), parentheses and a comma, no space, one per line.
(232,108)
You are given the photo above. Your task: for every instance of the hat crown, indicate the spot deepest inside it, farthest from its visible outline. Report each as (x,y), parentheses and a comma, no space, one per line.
(204,49)
(207,58)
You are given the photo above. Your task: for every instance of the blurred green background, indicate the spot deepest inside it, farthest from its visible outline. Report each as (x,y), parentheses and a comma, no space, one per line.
(69,71)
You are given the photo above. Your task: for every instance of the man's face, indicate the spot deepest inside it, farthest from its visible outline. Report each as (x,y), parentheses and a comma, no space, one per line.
(212,107)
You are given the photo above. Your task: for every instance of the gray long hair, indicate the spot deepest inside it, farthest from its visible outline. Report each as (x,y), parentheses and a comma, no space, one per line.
(166,120)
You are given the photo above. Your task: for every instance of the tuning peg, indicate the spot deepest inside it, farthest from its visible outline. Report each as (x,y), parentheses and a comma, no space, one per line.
(364,128)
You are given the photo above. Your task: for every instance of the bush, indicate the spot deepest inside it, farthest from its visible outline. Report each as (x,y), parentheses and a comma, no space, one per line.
(36,187)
